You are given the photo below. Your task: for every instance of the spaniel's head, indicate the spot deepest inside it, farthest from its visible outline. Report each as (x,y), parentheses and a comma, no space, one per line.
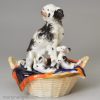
(51,12)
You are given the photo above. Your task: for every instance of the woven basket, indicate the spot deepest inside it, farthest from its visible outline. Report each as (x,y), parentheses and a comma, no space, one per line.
(56,86)
(52,87)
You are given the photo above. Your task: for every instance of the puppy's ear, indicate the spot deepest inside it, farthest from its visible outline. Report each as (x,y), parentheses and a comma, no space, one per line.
(59,14)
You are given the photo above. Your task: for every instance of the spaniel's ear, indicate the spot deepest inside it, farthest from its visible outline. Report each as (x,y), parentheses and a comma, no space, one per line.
(58,14)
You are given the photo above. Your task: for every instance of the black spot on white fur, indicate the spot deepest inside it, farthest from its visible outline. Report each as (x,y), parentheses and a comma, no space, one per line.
(49,15)
(55,66)
(48,62)
(32,42)
(46,32)
(52,48)
(40,58)
(59,14)
(69,49)
(37,66)
(65,58)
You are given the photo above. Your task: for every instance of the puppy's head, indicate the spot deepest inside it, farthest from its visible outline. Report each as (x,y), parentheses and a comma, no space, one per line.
(63,49)
(51,12)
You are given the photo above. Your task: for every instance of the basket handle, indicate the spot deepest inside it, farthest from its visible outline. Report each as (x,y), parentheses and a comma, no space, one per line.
(12,62)
(84,61)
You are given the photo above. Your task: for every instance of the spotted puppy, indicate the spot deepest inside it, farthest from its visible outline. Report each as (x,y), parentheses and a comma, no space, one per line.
(50,34)
(63,60)
(40,65)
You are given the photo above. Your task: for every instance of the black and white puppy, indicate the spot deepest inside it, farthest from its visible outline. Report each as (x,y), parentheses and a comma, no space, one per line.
(40,65)
(63,60)
(50,34)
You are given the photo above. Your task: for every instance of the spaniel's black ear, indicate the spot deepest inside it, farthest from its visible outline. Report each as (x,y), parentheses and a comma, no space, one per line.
(58,14)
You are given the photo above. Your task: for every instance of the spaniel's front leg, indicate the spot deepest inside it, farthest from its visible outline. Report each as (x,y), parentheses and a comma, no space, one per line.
(29,60)
(53,52)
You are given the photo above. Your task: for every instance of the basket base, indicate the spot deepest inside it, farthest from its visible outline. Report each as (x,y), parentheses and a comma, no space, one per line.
(52,87)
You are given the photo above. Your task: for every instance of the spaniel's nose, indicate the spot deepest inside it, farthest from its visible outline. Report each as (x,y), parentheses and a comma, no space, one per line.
(43,13)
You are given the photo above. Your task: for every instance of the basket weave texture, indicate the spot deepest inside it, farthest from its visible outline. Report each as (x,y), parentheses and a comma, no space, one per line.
(52,87)
(55,85)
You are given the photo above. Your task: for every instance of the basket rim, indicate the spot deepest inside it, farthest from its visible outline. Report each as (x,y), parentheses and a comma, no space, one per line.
(12,60)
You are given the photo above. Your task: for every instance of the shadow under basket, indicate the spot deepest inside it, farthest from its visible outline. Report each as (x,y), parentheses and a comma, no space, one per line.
(52,87)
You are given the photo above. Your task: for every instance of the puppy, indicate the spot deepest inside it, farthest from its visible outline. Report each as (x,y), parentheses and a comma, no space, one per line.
(40,66)
(63,60)
(51,34)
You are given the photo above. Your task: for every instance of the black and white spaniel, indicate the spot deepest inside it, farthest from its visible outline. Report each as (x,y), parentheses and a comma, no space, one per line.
(50,34)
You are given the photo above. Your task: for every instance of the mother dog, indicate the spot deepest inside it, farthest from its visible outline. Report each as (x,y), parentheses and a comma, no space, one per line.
(50,35)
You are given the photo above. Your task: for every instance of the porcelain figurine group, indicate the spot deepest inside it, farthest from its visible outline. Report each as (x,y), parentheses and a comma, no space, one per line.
(45,53)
